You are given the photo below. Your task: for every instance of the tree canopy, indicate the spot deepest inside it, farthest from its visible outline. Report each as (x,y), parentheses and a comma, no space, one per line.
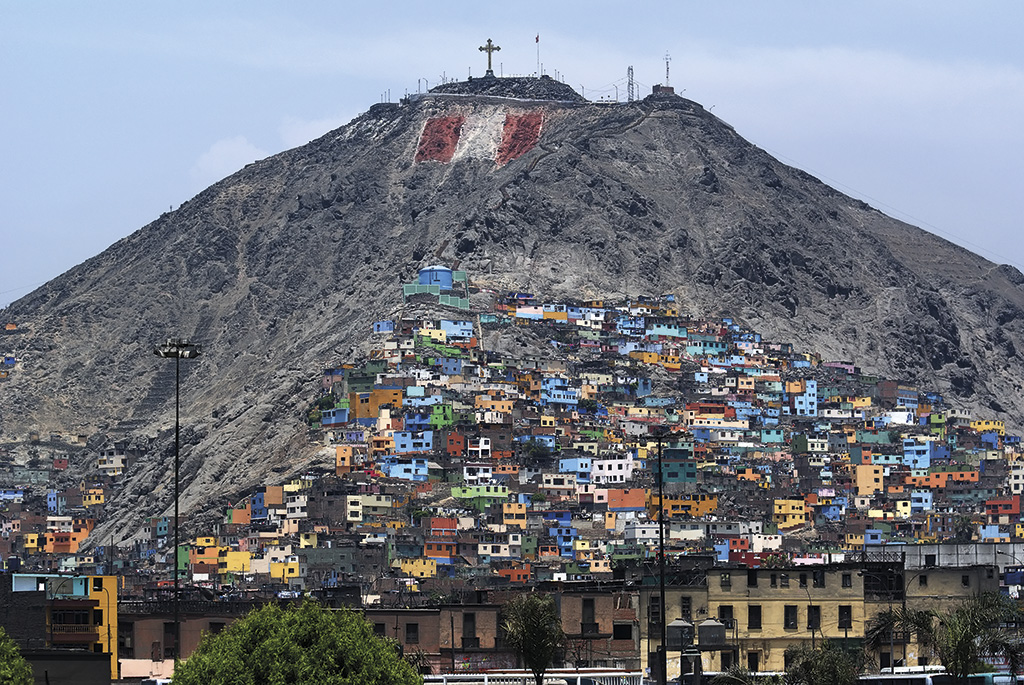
(301,645)
(534,631)
(829,664)
(13,667)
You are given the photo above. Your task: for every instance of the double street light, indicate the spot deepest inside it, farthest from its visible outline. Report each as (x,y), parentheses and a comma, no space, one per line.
(178,349)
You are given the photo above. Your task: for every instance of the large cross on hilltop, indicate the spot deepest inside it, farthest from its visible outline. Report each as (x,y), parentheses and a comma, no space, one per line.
(489,48)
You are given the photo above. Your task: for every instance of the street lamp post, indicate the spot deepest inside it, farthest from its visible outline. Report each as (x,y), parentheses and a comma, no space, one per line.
(178,349)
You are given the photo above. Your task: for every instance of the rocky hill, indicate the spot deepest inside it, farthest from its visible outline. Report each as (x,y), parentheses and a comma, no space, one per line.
(281,268)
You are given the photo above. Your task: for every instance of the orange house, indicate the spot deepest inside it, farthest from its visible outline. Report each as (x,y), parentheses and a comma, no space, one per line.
(940,479)
(627,499)
(366,405)
(516,575)
(439,549)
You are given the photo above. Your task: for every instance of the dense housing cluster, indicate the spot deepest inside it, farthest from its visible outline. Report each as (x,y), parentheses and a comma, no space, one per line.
(489,442)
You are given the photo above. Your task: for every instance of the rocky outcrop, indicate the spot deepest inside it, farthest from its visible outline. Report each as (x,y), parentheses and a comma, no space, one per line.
(280,269)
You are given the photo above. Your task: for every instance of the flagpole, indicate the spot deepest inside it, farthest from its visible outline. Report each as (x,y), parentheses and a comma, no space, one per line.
(538,55)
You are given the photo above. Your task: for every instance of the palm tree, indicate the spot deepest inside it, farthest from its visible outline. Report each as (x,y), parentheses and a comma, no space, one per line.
(533,630)
(962,637)
(900,619)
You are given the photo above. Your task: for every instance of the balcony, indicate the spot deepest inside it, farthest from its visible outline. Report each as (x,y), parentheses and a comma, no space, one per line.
(588,629)
(471,643)
(63,634)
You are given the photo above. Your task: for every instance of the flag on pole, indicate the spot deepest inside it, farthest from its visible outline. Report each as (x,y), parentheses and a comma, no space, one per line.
(538,38)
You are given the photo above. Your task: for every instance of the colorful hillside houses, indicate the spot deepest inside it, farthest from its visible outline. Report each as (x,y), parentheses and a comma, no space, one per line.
(487,442)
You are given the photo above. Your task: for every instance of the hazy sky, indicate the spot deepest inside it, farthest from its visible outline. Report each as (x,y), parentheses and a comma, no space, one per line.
(113,112)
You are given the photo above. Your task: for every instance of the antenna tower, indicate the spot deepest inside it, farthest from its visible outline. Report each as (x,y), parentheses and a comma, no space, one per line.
(667,60)
(631,88)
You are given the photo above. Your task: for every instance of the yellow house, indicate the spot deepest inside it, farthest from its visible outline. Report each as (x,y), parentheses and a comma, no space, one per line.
(788,513)
(419,568)
(307,539)
(579,546)
(868,479)
(206,541)
(987,426)
(514,514)
(230,561)
(30,542)
(903,508)
(103,589)
(588,447)
(435,334)
(284,570)
(92,497)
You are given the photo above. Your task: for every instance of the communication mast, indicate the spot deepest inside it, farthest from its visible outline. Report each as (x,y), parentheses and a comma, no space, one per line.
(631,87)
(667,60)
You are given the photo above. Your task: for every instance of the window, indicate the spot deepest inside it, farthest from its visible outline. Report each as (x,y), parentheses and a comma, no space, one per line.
(790,619)
(654,610)
(754,617)
(622,631)
(965,581)
(469,624)
(97,585)
(685,607)
(922,581)
(588,609)
(818,578)
(97,617)
(929,560)
(725,614)
(773,580)
(726,580)
(784,580)
(726,660)
(412,633)
(845,616)
(752,577)
(847,580)
(803,580)
(813,617)
(753,661)
(378,629)
(216,627)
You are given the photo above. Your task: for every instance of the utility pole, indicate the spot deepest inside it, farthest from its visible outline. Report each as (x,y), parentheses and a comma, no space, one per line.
(662,653)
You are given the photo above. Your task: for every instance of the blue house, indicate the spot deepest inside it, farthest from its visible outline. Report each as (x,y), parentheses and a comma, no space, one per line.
(440,276)
(408,469)
(413,441)
(334,417)
(577,465)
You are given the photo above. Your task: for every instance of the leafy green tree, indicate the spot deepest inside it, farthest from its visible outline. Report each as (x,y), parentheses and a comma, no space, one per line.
(305,645)
(13,667)
(737,675)
(533,630)
(829,664)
